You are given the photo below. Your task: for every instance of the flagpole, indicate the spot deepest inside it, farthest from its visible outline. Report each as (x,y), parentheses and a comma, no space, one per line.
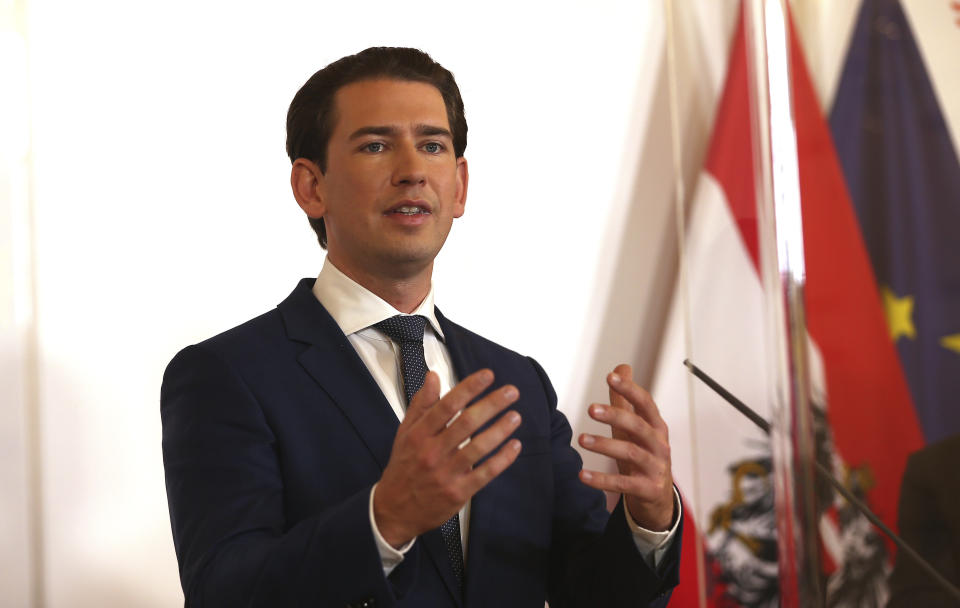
(783,276)
(680,200)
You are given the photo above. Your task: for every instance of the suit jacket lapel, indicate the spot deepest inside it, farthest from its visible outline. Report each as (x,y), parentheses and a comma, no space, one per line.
(335,365)
(465,362)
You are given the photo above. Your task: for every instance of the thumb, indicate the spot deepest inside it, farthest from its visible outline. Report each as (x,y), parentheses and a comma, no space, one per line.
(424,399)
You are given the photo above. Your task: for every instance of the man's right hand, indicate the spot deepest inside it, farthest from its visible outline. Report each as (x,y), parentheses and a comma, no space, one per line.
(429,477)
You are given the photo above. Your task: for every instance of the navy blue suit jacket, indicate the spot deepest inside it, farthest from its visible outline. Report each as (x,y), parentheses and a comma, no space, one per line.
(275,431)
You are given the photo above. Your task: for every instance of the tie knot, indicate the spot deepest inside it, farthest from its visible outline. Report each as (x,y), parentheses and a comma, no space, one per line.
(403,328)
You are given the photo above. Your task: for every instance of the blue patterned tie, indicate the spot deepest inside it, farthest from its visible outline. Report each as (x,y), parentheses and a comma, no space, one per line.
(407,332)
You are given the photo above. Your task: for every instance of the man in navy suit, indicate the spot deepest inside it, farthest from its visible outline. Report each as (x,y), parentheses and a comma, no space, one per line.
(303,470)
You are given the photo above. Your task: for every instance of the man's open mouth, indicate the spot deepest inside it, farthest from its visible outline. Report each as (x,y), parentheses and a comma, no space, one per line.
(410,210)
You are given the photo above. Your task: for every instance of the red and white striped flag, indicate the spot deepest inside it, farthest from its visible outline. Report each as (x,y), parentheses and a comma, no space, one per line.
(722,463)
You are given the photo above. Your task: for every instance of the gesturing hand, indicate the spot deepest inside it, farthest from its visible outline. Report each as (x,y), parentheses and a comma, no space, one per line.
(429,476)
(641,448)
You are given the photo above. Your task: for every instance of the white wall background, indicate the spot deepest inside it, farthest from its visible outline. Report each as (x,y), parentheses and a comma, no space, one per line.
(148,207)
(160,214)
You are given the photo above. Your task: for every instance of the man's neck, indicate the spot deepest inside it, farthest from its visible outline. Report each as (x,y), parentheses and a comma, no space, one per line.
(403,292)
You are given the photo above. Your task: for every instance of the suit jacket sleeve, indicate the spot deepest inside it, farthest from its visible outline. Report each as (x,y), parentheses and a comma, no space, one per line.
(226,498)
(928,519)
(594,561)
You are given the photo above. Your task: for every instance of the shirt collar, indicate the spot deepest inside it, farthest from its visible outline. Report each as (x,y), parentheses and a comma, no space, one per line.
(354,307)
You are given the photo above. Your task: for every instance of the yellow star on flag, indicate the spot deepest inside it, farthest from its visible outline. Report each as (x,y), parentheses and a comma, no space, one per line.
(899,314)
(952,342)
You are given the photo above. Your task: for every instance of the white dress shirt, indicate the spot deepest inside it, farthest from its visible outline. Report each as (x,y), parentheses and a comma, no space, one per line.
(355,309)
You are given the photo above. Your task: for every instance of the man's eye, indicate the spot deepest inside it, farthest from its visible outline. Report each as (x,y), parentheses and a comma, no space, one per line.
(374,146)
(433,147)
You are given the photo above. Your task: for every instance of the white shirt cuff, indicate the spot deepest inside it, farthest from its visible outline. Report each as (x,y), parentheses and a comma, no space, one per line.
(652,545)
(390,558)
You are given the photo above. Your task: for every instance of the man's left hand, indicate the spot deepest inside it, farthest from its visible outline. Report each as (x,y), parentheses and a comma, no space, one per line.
(641,448)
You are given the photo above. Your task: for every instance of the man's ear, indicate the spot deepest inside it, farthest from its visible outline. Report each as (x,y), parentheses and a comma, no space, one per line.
(307,182)
(463,180)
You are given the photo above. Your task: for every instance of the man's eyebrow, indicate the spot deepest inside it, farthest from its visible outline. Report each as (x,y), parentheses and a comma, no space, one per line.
(433,130)
(421,129)
(373,131)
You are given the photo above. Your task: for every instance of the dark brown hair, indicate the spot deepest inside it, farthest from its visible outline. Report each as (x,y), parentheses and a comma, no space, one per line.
(311,117)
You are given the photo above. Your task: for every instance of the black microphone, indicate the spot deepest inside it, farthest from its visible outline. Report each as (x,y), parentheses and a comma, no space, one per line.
(761,422)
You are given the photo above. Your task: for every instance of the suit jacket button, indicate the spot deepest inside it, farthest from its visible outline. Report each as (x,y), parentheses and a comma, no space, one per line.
(367,603)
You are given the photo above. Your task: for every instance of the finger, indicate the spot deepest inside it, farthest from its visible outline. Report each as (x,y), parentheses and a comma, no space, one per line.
(630,426)
(625,373)
(492,467)
(483,443)
(424,399)
(620,450)
(631,458)
(640,400)
(639,486)
(466,390)
(478,415)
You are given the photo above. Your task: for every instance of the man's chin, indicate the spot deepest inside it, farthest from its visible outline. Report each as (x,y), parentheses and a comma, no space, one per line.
(409,250)
(409,260)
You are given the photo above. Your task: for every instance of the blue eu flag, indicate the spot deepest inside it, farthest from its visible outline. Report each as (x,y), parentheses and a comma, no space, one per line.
(904,180)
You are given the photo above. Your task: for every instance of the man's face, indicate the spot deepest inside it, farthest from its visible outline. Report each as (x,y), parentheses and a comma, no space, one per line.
(392,184)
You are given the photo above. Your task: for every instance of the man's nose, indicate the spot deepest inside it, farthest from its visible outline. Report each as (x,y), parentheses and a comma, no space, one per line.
(410,168)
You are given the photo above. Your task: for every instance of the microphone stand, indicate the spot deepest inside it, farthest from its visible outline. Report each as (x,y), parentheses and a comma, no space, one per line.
(758,420)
